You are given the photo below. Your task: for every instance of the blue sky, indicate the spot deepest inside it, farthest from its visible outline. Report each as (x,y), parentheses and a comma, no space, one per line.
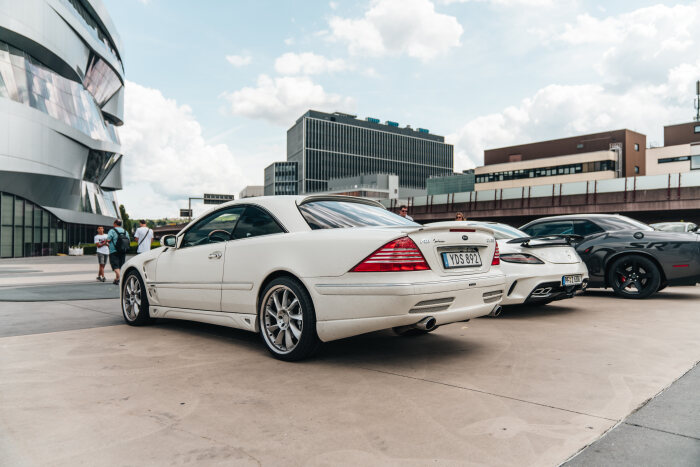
(213,86)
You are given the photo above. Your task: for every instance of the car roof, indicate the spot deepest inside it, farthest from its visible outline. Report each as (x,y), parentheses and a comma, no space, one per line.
(576,216)
(284,207)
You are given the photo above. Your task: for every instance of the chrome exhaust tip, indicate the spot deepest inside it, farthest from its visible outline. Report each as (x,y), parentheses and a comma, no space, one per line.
(426,324)
(496,312)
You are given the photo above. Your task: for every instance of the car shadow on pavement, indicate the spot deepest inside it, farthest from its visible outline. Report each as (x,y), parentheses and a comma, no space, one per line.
(666,294)
(384,346)
(238,336)
(387,347)
(534,311)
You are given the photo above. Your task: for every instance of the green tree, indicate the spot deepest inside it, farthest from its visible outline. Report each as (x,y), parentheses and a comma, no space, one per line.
(127,223)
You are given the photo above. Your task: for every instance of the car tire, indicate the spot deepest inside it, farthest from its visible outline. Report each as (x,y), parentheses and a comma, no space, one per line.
(134,300)
(288,320)
(634,276)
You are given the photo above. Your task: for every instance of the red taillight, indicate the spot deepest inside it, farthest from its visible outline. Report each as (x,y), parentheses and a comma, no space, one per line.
(401,254)
(462,230)
(496,257)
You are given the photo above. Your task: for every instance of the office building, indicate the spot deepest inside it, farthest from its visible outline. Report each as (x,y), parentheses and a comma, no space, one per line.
(455,183)
(281,179)
(680,153)
(326,146)
(598,156)
(61,97)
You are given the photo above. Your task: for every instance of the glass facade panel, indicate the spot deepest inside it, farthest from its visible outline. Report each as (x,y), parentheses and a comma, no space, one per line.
(26,80)
(101,80)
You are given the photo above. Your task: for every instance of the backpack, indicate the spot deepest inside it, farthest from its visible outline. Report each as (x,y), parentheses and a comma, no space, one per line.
(123,243)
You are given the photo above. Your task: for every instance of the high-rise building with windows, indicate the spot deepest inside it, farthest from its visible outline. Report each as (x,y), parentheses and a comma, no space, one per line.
(326,146)
(281,179)
(61,97)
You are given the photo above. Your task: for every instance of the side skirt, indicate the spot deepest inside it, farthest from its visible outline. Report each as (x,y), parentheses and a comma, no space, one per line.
(232,320)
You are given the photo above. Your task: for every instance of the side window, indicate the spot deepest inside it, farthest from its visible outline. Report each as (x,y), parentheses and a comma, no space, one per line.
(585,228)
(551,228)
(256,222)
(216,227)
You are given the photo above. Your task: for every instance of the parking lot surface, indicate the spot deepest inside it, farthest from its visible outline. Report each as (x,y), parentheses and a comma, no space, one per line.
(532,387)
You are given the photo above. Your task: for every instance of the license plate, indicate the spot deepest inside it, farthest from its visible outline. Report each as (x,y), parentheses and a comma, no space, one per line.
(571,280)
(461,259)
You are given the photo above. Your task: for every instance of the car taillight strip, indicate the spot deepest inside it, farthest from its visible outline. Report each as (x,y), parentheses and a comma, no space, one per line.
(496,257)
(398,255)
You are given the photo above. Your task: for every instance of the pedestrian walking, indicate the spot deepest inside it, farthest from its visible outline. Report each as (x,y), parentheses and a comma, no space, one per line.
(119,243)
(403,212)
(102,251)
(144,236)
(459,217)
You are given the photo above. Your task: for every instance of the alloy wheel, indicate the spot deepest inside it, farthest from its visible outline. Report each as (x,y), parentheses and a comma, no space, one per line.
(131,298)
(283,319)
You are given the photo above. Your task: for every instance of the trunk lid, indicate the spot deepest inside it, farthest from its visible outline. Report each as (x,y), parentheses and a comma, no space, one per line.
(449,247)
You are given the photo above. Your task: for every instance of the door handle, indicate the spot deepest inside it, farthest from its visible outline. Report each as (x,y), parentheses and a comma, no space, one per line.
(215,255)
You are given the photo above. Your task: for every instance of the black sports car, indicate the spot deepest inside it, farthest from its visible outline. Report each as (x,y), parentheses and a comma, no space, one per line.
(627,255)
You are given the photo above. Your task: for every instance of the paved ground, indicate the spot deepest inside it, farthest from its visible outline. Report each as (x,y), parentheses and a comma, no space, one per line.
(533,387)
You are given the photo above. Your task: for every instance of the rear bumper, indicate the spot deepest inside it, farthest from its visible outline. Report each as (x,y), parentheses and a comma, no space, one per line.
(350,306)
(521,288)
(550,291)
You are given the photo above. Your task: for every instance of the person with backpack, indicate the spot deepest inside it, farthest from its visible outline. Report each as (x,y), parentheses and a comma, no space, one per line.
(119,243)
(144,236)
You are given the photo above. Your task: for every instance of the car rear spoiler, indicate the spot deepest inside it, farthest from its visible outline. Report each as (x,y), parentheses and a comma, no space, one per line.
(568,239)
(453,226)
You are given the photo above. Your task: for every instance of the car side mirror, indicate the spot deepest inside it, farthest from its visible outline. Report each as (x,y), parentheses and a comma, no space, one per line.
(169,241)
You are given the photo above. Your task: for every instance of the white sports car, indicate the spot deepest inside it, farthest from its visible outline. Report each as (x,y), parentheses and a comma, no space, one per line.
(304,269)
(538,270)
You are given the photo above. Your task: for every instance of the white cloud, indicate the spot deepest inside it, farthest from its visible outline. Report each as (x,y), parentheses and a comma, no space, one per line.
(559,111)
(289,41)
(505,3)
(307,63)
(239,60)
(166,158)
(640,45)
(398,27)
(282,100)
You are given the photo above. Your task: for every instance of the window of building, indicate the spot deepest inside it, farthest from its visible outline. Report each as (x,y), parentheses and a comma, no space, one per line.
(636,147)
(697,128)
(636,169)
(673,159)
(579,146)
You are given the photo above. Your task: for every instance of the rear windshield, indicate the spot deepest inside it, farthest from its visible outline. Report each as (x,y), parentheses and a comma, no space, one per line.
(342,214)
(623,223)
(502,232)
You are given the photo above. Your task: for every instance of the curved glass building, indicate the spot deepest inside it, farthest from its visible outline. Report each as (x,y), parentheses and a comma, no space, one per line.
(61,99)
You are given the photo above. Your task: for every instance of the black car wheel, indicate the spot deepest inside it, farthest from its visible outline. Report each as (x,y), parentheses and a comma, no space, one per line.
(634,277)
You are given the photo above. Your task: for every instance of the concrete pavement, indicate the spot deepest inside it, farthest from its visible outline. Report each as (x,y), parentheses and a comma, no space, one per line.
(532,387)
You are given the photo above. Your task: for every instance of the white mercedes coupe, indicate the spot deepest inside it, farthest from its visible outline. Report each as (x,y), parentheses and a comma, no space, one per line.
(301,270)
(538,270)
